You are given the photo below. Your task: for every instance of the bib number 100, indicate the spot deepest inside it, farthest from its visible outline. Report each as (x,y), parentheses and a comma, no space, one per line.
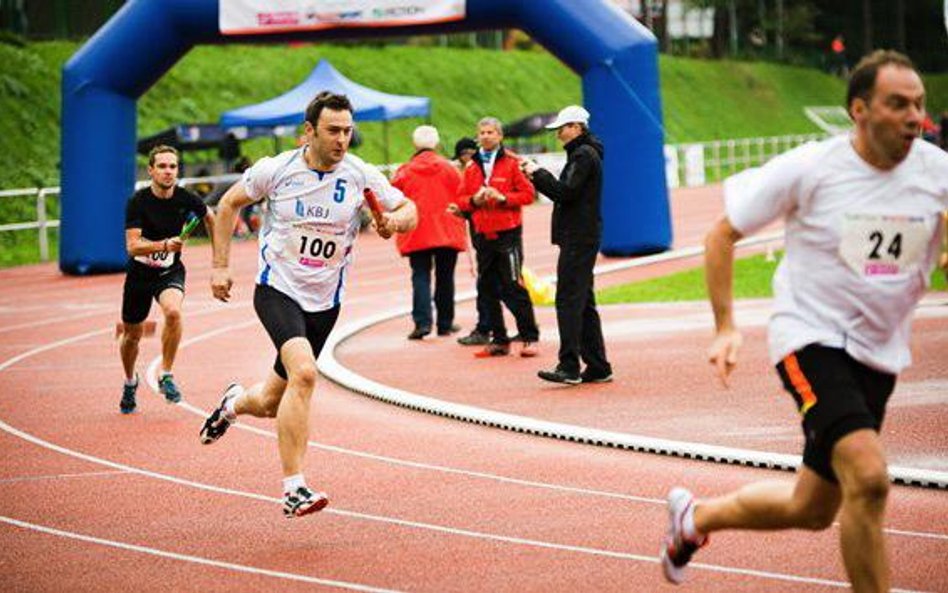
(317,247)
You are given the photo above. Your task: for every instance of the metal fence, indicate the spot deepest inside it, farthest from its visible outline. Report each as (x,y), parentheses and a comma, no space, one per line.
(687,165)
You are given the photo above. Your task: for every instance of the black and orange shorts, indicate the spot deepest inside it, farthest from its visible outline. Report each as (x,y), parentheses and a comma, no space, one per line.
(836,395)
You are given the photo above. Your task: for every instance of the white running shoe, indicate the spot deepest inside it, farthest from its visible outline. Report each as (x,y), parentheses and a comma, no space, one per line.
(677,549)
(217,423)
(303,502)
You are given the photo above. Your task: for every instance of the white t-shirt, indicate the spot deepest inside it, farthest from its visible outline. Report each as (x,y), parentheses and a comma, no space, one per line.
(860,245)
(311,223)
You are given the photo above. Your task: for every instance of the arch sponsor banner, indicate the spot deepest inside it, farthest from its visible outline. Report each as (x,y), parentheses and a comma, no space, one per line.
(243,17)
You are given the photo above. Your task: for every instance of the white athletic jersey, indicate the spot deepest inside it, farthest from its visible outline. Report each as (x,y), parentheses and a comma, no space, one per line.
(311,222)
(860,245)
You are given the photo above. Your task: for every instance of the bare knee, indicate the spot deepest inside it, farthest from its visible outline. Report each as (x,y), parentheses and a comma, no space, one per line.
(173,316)
(868,484)
(303,377)
(132,334)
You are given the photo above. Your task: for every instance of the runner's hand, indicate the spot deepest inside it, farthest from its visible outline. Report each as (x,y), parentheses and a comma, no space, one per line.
(221,283)
(174,244)
(723,352)
(386,225)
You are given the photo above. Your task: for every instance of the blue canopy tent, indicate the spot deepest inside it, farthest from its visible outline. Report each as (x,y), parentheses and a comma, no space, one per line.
(288,108)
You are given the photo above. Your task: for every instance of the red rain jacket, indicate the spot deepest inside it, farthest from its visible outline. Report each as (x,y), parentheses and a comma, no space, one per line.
(431,182)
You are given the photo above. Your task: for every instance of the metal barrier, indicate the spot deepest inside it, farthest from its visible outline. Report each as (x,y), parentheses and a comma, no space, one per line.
(687,165)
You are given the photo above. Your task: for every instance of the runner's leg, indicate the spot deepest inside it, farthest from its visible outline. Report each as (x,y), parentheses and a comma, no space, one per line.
(170,301)
(293,411)
(859,463)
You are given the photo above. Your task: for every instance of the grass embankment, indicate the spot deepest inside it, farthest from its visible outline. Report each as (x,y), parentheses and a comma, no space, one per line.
(702,100)
(752,276)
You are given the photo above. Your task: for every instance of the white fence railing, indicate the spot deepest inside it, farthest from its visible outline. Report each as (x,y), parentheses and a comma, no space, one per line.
(686,165)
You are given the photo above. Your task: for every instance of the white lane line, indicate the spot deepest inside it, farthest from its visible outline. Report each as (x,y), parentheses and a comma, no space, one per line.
(151,380)
(151,375)
(419,525)
(62,476)
(192,559)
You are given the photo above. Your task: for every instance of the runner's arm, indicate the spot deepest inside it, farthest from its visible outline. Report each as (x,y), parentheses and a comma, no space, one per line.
(135,244)
(227,209)
(719,273)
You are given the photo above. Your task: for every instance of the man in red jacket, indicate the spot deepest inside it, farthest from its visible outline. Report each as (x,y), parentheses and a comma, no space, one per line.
(494,190)
(431,181)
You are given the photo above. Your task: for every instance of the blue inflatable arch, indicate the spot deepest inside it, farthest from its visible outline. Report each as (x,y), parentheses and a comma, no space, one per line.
(615,55)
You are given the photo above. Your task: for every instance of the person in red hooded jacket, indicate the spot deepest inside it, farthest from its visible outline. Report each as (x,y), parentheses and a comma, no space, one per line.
(494,189)
(431,181)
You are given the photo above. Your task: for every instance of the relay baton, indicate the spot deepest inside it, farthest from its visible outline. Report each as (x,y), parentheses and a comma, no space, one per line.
(189,226)
(372,201)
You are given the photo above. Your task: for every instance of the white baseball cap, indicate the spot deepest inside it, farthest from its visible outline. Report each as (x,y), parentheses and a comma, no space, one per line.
(573,114)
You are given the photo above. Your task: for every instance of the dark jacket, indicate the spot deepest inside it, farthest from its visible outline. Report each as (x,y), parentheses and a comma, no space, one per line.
(577,193)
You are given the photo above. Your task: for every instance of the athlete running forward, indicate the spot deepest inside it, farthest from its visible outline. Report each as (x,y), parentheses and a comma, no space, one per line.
(313,197)
(863,230)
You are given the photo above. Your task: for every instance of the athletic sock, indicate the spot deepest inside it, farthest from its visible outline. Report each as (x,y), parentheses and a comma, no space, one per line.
(292,483)
(164,374)
(132,382)
(230,412)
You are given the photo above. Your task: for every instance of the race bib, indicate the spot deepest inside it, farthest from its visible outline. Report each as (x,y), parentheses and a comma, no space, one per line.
(878,245)
(313,247)
(158,259)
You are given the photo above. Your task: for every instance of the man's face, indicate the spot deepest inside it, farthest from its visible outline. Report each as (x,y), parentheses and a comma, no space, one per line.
(489,137)
(566,133)
(164,173)
(892,118)
(330,139)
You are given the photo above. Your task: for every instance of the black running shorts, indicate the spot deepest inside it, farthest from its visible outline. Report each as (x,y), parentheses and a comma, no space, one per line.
(284,319)
(142,284)
(836,395)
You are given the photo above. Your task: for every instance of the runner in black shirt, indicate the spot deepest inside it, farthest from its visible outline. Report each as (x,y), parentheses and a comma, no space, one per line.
(154,218)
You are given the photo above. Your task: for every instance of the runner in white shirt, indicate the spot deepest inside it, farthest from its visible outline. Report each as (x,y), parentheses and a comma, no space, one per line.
(863,230)
(314,195)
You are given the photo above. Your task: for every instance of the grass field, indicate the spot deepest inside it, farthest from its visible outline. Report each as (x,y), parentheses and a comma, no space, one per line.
(752,277)
(702,100)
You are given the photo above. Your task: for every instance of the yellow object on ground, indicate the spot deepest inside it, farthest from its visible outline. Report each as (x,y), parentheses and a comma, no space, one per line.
(541,292)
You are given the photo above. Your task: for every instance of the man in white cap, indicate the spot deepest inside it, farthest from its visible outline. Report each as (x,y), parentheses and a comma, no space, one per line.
(577,230)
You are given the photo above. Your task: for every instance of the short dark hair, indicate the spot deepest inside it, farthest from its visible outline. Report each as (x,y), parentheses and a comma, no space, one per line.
(160,149)
(862,81)
(326,99)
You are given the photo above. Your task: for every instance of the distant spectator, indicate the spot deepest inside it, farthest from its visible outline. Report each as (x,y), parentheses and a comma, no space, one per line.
(464,150)
(431,182)
(837,57)
(929,129)
(495,190)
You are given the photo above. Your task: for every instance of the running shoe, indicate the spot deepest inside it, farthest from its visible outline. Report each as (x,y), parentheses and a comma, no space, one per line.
(128,405)
(303,502)
(169,389)
(678,549)
(217,423)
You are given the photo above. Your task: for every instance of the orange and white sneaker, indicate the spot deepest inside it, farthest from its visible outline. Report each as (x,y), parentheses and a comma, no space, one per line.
(678,548)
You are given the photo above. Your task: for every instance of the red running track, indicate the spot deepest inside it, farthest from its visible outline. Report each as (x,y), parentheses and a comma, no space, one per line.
(94,501)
